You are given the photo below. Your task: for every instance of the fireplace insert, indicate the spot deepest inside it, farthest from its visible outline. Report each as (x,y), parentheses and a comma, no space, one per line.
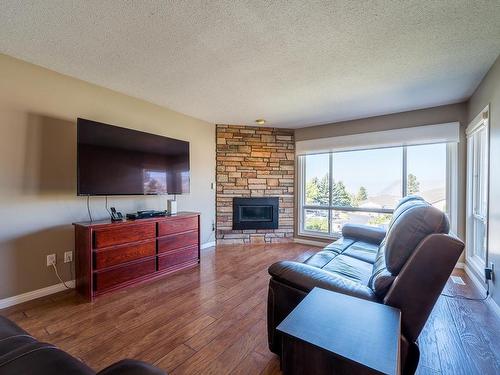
(255,213)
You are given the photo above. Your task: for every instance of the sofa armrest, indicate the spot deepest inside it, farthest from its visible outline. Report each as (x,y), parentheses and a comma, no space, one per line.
(364,233)
(423,277)
(131,367)
(304,277)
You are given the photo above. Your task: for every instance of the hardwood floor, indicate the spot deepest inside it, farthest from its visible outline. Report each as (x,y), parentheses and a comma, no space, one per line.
(212,320)
(461,336)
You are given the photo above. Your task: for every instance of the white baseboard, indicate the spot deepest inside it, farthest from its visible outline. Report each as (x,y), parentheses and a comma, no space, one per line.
(310,242)
(478,283)
(491,302)
(206,245)
(28,296)
(482,287)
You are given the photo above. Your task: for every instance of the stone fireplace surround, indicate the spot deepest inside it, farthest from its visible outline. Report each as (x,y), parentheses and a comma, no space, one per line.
(254,162)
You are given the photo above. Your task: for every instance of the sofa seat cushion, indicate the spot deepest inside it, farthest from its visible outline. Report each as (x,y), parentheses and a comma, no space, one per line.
(365,251)
(325,256)
(321,258)
(350,268)
(340,245)
(304,278)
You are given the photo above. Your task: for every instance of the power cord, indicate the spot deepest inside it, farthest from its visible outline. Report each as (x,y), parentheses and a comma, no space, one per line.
(53,264)
(212,235)
(88,207)
(458,296)
(106,206)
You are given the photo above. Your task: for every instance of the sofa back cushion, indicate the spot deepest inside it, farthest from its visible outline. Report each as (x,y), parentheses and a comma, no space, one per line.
(403,205)
(412,221)
(418,221)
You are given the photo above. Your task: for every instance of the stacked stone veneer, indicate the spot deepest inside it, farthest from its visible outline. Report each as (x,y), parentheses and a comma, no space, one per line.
(254,162)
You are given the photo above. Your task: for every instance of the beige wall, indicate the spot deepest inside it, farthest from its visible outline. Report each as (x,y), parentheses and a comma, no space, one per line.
(488,92)
(428,116)
(38,202)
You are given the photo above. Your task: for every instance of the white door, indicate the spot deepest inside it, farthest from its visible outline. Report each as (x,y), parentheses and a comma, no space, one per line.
(477,191)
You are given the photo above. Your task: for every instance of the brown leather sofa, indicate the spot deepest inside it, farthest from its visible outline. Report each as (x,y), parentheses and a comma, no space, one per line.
(405,267)
(21,353)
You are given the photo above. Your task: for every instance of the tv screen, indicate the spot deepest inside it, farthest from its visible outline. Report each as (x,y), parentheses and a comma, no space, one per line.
(118,161)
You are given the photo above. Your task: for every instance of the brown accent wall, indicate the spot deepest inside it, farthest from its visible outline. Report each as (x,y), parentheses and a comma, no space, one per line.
(254,162)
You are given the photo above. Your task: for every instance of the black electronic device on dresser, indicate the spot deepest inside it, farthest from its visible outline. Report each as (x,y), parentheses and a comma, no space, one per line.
(146,214)
(115,215)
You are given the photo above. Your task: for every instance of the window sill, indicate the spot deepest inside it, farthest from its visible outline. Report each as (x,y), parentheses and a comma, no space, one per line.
(318,236)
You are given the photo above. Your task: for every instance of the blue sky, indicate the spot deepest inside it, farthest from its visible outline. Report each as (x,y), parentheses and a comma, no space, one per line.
(379,171)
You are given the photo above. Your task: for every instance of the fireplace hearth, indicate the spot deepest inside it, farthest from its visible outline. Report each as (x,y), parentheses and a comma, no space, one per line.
(255,213)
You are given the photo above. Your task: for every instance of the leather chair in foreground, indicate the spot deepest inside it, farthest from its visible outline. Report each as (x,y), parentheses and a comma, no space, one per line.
(20,353)
(406,267)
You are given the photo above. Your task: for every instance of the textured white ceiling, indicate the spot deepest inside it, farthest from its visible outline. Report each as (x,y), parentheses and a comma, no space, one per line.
(294,63)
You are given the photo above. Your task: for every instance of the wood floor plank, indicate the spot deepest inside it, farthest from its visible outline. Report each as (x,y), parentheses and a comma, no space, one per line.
(237,351)
(428,342)
(452,355)
(152,346)
(475,344)
(226,321)
(212,319)
(197,363)
(273,367)
(174,358)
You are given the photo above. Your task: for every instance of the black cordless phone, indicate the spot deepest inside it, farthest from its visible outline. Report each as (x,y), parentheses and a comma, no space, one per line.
(115,215)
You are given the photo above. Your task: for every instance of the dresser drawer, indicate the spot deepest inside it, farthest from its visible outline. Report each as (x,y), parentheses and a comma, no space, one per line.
(110,278)
(176,241)
(123,234)
(173,258)
(124,253)
(177,225)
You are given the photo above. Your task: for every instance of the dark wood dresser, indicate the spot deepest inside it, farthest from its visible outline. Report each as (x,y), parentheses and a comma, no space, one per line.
(113,255)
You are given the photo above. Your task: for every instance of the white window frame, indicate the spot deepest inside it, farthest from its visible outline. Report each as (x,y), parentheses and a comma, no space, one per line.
(480,122)
(451,190)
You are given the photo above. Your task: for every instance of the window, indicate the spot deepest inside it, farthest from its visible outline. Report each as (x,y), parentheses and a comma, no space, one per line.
(364,186)
(477,192)
(426,173)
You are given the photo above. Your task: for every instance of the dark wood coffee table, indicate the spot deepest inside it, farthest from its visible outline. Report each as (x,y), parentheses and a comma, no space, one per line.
(332,333)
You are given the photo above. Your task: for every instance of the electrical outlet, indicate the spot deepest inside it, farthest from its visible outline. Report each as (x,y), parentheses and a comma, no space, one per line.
(51,259)
(488,272)
(68,256)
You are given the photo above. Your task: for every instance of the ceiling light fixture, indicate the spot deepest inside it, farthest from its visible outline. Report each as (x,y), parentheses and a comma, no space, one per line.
(260,121)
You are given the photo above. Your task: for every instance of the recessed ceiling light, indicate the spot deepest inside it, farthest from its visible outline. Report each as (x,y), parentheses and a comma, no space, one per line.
(260,121)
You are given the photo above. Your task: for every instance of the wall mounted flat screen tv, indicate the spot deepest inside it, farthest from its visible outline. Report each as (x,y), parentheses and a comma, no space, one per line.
(118,161)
